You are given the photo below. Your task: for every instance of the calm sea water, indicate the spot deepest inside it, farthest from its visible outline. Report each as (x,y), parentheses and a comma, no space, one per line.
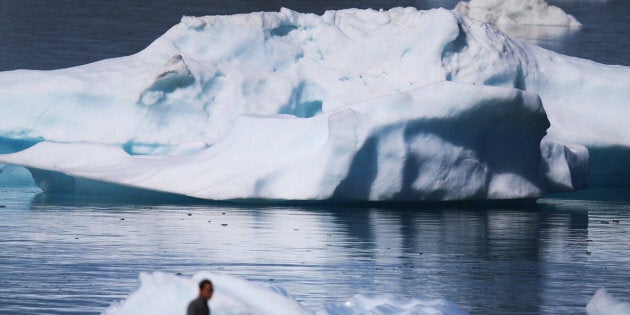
(70,255)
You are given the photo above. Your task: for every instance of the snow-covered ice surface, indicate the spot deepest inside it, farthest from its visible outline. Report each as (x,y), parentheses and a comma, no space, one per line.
(351,104)
(523,12)
(162,293)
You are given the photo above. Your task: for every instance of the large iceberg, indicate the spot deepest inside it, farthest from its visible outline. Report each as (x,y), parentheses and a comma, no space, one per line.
(522,12)
(353,104)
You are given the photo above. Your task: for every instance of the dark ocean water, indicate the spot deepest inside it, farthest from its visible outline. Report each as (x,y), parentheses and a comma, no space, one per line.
(72,255)
(37,34)
(69,255)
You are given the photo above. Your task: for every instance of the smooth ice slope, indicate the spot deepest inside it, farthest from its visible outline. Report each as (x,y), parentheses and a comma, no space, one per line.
(161,293)
(444,141)
(524,12)
(185,92)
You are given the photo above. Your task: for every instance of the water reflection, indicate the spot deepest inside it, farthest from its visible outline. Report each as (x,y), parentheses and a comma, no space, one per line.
(544,258)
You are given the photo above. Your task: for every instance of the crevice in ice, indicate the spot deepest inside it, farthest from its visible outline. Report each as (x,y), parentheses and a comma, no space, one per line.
(361,175)
(282,30)
(16,144)
(411,171)
(515,79)
(520,81)
(299,105)
(134,148)
(452,48)
(174,75)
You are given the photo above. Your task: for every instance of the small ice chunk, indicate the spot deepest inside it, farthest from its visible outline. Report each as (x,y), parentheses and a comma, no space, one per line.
(602,303)
(524,12)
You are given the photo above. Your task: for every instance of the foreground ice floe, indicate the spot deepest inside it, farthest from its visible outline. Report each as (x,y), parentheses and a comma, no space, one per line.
(602,303)
(246,106)
(524,12)
(161,293)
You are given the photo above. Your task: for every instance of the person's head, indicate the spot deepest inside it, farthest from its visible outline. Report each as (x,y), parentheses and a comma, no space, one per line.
(206,289)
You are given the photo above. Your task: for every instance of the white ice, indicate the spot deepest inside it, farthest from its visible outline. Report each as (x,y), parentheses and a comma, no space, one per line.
(602,303)
(162,293)
(185,90)
(481,142)
(306,79)
(522,12)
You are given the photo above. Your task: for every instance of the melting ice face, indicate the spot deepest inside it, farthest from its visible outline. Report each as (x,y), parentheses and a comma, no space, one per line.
(480,143)
(352,104)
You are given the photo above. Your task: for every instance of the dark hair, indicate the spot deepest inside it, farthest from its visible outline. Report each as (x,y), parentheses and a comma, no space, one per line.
(203,283)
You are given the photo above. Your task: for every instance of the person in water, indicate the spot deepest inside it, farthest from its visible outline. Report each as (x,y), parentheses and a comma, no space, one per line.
(199,306)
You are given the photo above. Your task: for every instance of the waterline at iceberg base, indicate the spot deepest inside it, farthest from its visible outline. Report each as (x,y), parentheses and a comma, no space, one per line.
(476,152)
(444,141)
(350,105)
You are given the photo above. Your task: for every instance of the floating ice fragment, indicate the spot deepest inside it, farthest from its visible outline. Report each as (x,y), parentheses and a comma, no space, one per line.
(602,303)
(173,76)
(161,293)
(524,12)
